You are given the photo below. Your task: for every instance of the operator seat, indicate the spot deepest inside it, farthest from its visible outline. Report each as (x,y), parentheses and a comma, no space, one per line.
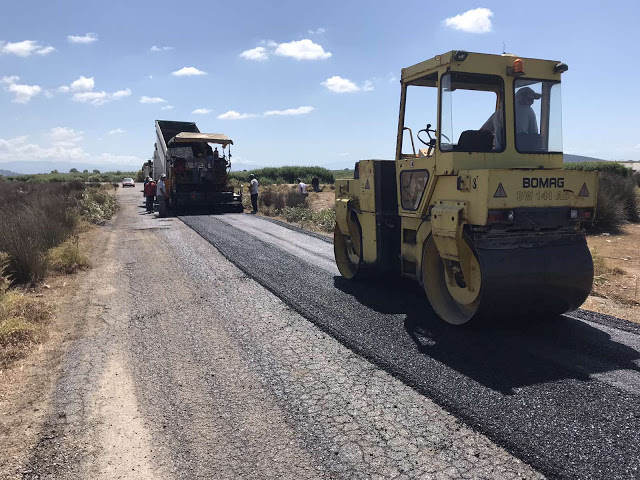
(475,141)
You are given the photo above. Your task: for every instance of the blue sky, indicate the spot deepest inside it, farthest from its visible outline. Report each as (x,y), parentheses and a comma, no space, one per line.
(290,82)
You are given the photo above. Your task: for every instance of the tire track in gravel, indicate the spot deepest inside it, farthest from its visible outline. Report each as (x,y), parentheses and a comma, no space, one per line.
(562,394)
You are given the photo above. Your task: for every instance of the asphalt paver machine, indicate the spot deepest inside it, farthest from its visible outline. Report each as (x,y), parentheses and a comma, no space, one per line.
(482,213)
(196,174)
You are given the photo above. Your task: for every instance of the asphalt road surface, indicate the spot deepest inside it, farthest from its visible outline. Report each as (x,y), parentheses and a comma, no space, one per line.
(232,349)
(561,393)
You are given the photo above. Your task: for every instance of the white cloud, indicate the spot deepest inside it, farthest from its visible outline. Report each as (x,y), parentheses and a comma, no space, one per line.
(188,72)
(201,111)
(259,54)
(367,86)
(18,148)
(97,98)
(82,84)
(161,49)
(145,99)
(290,111)
(233,115)
(343,154)
(167,107)
(45,50)
(116,131)
(338,84)
(64,137)
(477,20)
(62,147)
(64,89)
(25,48)
(302,50)
(121,94)
(100,98)
(317,31)
(23,93)
(86,38)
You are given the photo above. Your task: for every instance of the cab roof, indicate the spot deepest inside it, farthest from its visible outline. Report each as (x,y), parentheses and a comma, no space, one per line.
(482,63)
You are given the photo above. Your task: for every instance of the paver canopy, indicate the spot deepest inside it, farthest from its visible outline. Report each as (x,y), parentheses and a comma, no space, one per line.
(190,137)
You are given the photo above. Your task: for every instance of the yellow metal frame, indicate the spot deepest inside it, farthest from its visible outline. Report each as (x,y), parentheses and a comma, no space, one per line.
(462,186)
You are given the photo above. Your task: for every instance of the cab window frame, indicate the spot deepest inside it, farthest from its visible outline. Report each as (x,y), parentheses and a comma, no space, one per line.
(426,182)
(515,139)
(431,77)
(504,123)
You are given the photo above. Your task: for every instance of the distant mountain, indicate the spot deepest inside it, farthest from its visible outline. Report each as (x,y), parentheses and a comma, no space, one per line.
(8,173)
(569,158)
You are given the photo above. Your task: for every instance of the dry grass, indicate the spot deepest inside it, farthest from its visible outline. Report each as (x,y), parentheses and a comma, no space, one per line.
(618,203)
(67,258)
(21,320)
(601,270)
(36,217)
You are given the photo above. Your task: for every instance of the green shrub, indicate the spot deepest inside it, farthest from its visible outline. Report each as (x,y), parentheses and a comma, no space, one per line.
(67,258)
(603,166)
(96,205)
(617,203)
(287,174)
(34,218)
(279,198)
(323,220)
(139,176)
(55,177)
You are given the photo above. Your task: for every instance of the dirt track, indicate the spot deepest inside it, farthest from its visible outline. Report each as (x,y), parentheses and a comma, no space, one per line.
(182,366)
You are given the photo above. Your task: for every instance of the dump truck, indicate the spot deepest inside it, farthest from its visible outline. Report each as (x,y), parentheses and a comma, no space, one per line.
(197,176)
(483,216)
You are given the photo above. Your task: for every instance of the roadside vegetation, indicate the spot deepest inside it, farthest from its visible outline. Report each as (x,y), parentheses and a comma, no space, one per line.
(283,175)
(85,176)
(618,195)
(41,224)
(284,202)
(21,318)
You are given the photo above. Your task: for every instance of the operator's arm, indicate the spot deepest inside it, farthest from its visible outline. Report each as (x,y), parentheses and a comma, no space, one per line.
(533,121)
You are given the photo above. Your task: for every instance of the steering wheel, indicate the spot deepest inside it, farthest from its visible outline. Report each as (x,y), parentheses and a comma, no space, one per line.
(429,130)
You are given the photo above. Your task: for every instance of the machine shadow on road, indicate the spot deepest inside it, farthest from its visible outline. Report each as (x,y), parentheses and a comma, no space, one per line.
(504,354)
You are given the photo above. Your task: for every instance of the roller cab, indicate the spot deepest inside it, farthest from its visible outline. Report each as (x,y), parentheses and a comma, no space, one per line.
(476,206)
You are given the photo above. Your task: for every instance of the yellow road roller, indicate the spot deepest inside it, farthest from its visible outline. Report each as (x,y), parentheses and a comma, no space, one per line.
(477,209)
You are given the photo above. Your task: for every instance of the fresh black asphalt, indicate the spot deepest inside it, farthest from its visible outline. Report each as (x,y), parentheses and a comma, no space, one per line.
(561,393)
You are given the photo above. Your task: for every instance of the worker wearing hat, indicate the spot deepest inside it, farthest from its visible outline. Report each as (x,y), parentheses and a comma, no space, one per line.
(253,190)
(526,121)
(163,195)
